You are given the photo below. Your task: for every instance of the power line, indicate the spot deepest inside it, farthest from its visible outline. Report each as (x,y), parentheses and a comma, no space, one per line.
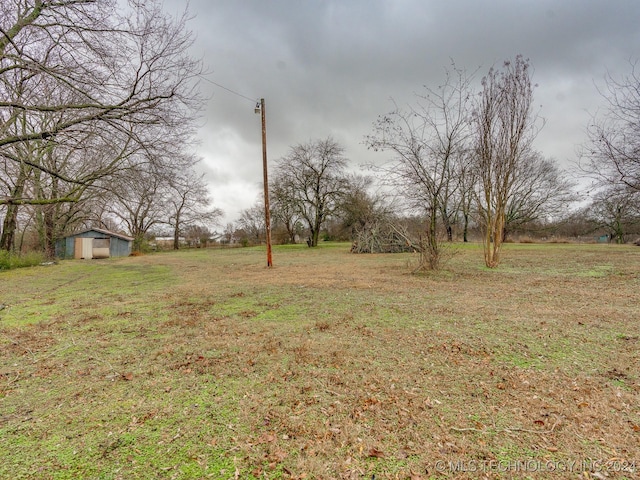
(252,100)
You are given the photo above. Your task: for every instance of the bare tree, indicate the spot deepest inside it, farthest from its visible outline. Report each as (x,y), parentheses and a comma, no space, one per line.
(616,210)
(137,203)
(284,210)
(505,126)
(85,88)
(14,182)
(467,181)
(104,67)
(359,208)
(197,235)
(541,190)
(188,204)
(612,154)
(426,143)
(252,222)
(315,180)
(228,234)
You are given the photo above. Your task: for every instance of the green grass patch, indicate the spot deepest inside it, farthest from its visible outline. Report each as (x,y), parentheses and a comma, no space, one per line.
(10,260)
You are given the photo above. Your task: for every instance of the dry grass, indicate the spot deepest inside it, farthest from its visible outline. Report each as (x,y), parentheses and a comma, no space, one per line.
(206,364)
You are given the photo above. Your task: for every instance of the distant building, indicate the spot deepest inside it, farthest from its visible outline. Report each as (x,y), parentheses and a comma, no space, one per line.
(94,243)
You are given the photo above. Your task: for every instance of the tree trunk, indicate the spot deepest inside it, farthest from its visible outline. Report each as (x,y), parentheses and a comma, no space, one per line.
(313,239)
(49,231)
(314,230)
(431,248)
(9,226)
(493,240)
(176,234)
(138,237)
(291,231)
(618,233)
(465,230)
(10,223)
(446,220)
(46,216)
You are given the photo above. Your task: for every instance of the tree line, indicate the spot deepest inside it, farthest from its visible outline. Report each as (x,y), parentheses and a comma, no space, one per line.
(97,112)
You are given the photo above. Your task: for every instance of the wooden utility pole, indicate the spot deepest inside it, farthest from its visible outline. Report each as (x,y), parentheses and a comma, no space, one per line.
(267,214)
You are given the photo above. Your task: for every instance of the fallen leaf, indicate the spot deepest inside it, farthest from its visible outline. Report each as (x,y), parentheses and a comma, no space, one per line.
(374,452)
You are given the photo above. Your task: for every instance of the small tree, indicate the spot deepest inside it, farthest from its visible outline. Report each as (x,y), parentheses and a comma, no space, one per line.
(467,179)
(359,208)
(505,127)
(137,203)
(196,235)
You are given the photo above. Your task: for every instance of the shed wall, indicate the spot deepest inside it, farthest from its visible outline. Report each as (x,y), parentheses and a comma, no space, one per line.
(118,247)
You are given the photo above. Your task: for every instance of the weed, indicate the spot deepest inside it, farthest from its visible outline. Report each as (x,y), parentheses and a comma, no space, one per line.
(10,260)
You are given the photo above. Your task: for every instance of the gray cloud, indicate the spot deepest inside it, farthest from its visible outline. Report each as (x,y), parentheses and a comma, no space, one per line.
(331,67)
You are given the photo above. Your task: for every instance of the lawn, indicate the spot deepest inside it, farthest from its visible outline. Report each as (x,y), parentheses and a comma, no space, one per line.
(207,364)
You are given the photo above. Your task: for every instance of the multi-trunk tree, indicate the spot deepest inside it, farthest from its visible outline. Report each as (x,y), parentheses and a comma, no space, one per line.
(504,128)
(313,180)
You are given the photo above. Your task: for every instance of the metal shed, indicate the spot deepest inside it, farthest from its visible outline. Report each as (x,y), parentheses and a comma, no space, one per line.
(94,243)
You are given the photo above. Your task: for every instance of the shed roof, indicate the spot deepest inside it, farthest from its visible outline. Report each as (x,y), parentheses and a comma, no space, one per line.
(103,232)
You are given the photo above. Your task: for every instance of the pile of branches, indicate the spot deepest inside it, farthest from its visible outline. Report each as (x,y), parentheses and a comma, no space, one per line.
(391,236)
(381,237)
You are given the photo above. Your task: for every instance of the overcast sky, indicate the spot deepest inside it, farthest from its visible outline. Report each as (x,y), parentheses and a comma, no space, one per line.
(330,67)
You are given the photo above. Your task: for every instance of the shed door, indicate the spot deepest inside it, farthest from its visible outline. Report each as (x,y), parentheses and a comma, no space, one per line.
(77,248)
(83,248)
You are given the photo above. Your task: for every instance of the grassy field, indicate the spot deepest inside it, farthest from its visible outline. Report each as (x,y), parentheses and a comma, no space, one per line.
(206,364)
